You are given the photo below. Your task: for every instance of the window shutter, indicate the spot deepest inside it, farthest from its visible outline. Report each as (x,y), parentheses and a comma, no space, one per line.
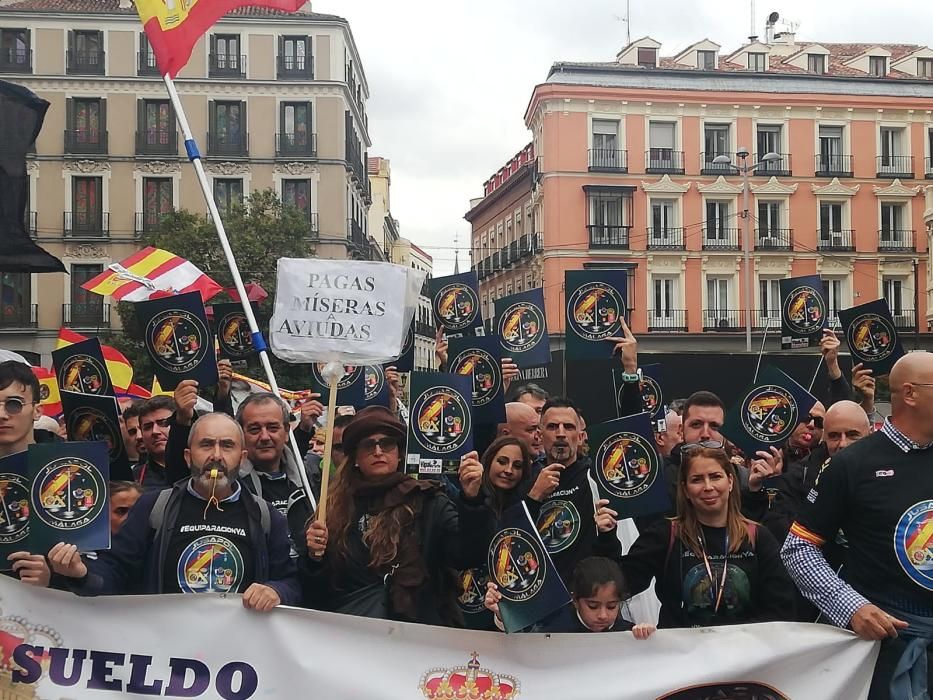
(103,122)
(70,113)
(280,56)
(211,123)
(244,131)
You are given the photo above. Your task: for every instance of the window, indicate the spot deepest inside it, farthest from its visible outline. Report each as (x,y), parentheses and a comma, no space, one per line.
(85,119)
(756,61)
(831,157)
(87,308)
(892,223)
(706,60)
(648,58)
(769,298)
(15,299)
(225,54)
(894,293)
(85,51)
(891,147)
(294,55)
(717,219)
(661,139)
(832,288)
(769,219)
(608,210)
(925,67)
(296,127)
(665,297)
(157,201)
(228,192)
(816,63)
(605,135)
(878,66)
(830,219)
(147,63)
(157,127)
(297,194)
(228,128)
(715,143)
(86,205)
(717,294)
(768,140)
(15,55)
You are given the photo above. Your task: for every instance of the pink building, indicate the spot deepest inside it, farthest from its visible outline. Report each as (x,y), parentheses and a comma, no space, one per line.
(635,168)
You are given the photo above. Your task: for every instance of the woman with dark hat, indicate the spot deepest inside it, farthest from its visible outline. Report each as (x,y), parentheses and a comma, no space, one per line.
(390,541)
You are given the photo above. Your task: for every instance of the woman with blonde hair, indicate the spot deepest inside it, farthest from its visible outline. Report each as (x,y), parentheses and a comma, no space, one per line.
(390,541)
(711,565)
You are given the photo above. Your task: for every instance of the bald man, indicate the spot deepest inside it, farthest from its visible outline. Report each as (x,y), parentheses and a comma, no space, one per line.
(160,548)
(879,491)
(846,422)
(522,422)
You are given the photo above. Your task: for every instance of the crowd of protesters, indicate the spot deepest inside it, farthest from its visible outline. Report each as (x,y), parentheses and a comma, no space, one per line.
(833,527)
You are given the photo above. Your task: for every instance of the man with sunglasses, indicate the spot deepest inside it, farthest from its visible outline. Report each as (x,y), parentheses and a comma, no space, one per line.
(155,422)
(879,491)
(19,409)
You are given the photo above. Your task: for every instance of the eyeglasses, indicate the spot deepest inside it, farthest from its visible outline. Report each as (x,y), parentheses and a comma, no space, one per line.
(816,420)
(385,444)
(14,405)
(708,444)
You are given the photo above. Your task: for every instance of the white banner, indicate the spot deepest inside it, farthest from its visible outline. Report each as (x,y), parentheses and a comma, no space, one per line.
(205,646)
(357,312)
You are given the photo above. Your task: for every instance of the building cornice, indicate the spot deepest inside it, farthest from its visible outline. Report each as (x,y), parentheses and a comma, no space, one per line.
(719,186)
(523,176)
(665,186)
(897,190)
(774,187)
(834,189)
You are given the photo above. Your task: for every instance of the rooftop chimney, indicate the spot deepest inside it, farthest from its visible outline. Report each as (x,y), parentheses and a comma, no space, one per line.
(769,27)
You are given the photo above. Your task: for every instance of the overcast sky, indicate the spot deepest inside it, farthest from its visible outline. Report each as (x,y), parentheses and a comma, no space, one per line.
(449,81)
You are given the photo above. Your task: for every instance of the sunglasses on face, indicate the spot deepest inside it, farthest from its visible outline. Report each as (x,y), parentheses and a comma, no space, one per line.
(14,405)
(816,420)
(385,444)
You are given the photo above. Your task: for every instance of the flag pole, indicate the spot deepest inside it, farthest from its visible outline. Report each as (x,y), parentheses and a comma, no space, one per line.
(259,343)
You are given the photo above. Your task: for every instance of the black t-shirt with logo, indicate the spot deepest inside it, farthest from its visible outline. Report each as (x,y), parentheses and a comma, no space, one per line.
(209,554)
(276,491)
(882,498)
(757,588)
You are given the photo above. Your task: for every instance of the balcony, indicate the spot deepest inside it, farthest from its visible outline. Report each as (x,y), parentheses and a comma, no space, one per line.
(668,238)
(895,166)
(667,320)
(664,160)
(13,60)
(609,237)
(496,263)
(223,145)
(895,240)
(157,142)
(295,67)
(779,239)
(225,65)
(505,256)
(86,224)
(537,243)
(905,319)
(146,63)
(18,316)
(716,238)
(608,161)
(148,221)
(524,246)
(424,329)
(296,145)
(514,252)
(30,224)
(85,62)
(723,320)
(85,141)
(833,166)
(766,318)
(928,170)
(355,233)
(708,167)
(87,315)
(842,240)
(776,168)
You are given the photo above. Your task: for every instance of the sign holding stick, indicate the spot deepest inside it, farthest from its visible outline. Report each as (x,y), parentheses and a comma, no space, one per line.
(332,372)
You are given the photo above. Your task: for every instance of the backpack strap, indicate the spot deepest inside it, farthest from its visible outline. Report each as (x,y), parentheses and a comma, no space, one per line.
(265,518)
(157,514)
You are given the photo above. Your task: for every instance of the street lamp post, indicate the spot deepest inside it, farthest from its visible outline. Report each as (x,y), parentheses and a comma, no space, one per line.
(745,169)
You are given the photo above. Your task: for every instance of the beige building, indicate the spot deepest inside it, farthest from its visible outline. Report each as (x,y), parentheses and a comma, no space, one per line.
(274,101)
(406,253)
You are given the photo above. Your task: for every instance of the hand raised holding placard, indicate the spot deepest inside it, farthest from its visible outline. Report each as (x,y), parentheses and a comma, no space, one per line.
(626,347)
(471,474)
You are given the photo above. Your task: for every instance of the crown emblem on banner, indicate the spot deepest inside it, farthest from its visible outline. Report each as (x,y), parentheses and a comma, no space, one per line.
(468,682)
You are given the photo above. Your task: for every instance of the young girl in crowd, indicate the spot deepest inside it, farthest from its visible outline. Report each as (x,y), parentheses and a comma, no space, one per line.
(598,592)
(711,565)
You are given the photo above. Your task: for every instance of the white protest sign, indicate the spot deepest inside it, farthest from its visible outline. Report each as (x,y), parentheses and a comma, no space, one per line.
(350,311)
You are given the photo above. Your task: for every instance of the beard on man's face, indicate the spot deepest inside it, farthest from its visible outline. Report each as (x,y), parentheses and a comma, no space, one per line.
(203,476)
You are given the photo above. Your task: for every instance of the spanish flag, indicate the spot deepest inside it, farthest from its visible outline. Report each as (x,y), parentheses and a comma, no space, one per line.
(173,27)
(151,273)
(119,368)
(49,398)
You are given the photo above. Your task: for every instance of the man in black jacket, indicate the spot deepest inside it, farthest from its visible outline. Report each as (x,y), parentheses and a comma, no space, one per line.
(205,535)
(571,520)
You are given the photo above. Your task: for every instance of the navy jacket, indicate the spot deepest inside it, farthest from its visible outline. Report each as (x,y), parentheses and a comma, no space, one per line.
(135,561)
